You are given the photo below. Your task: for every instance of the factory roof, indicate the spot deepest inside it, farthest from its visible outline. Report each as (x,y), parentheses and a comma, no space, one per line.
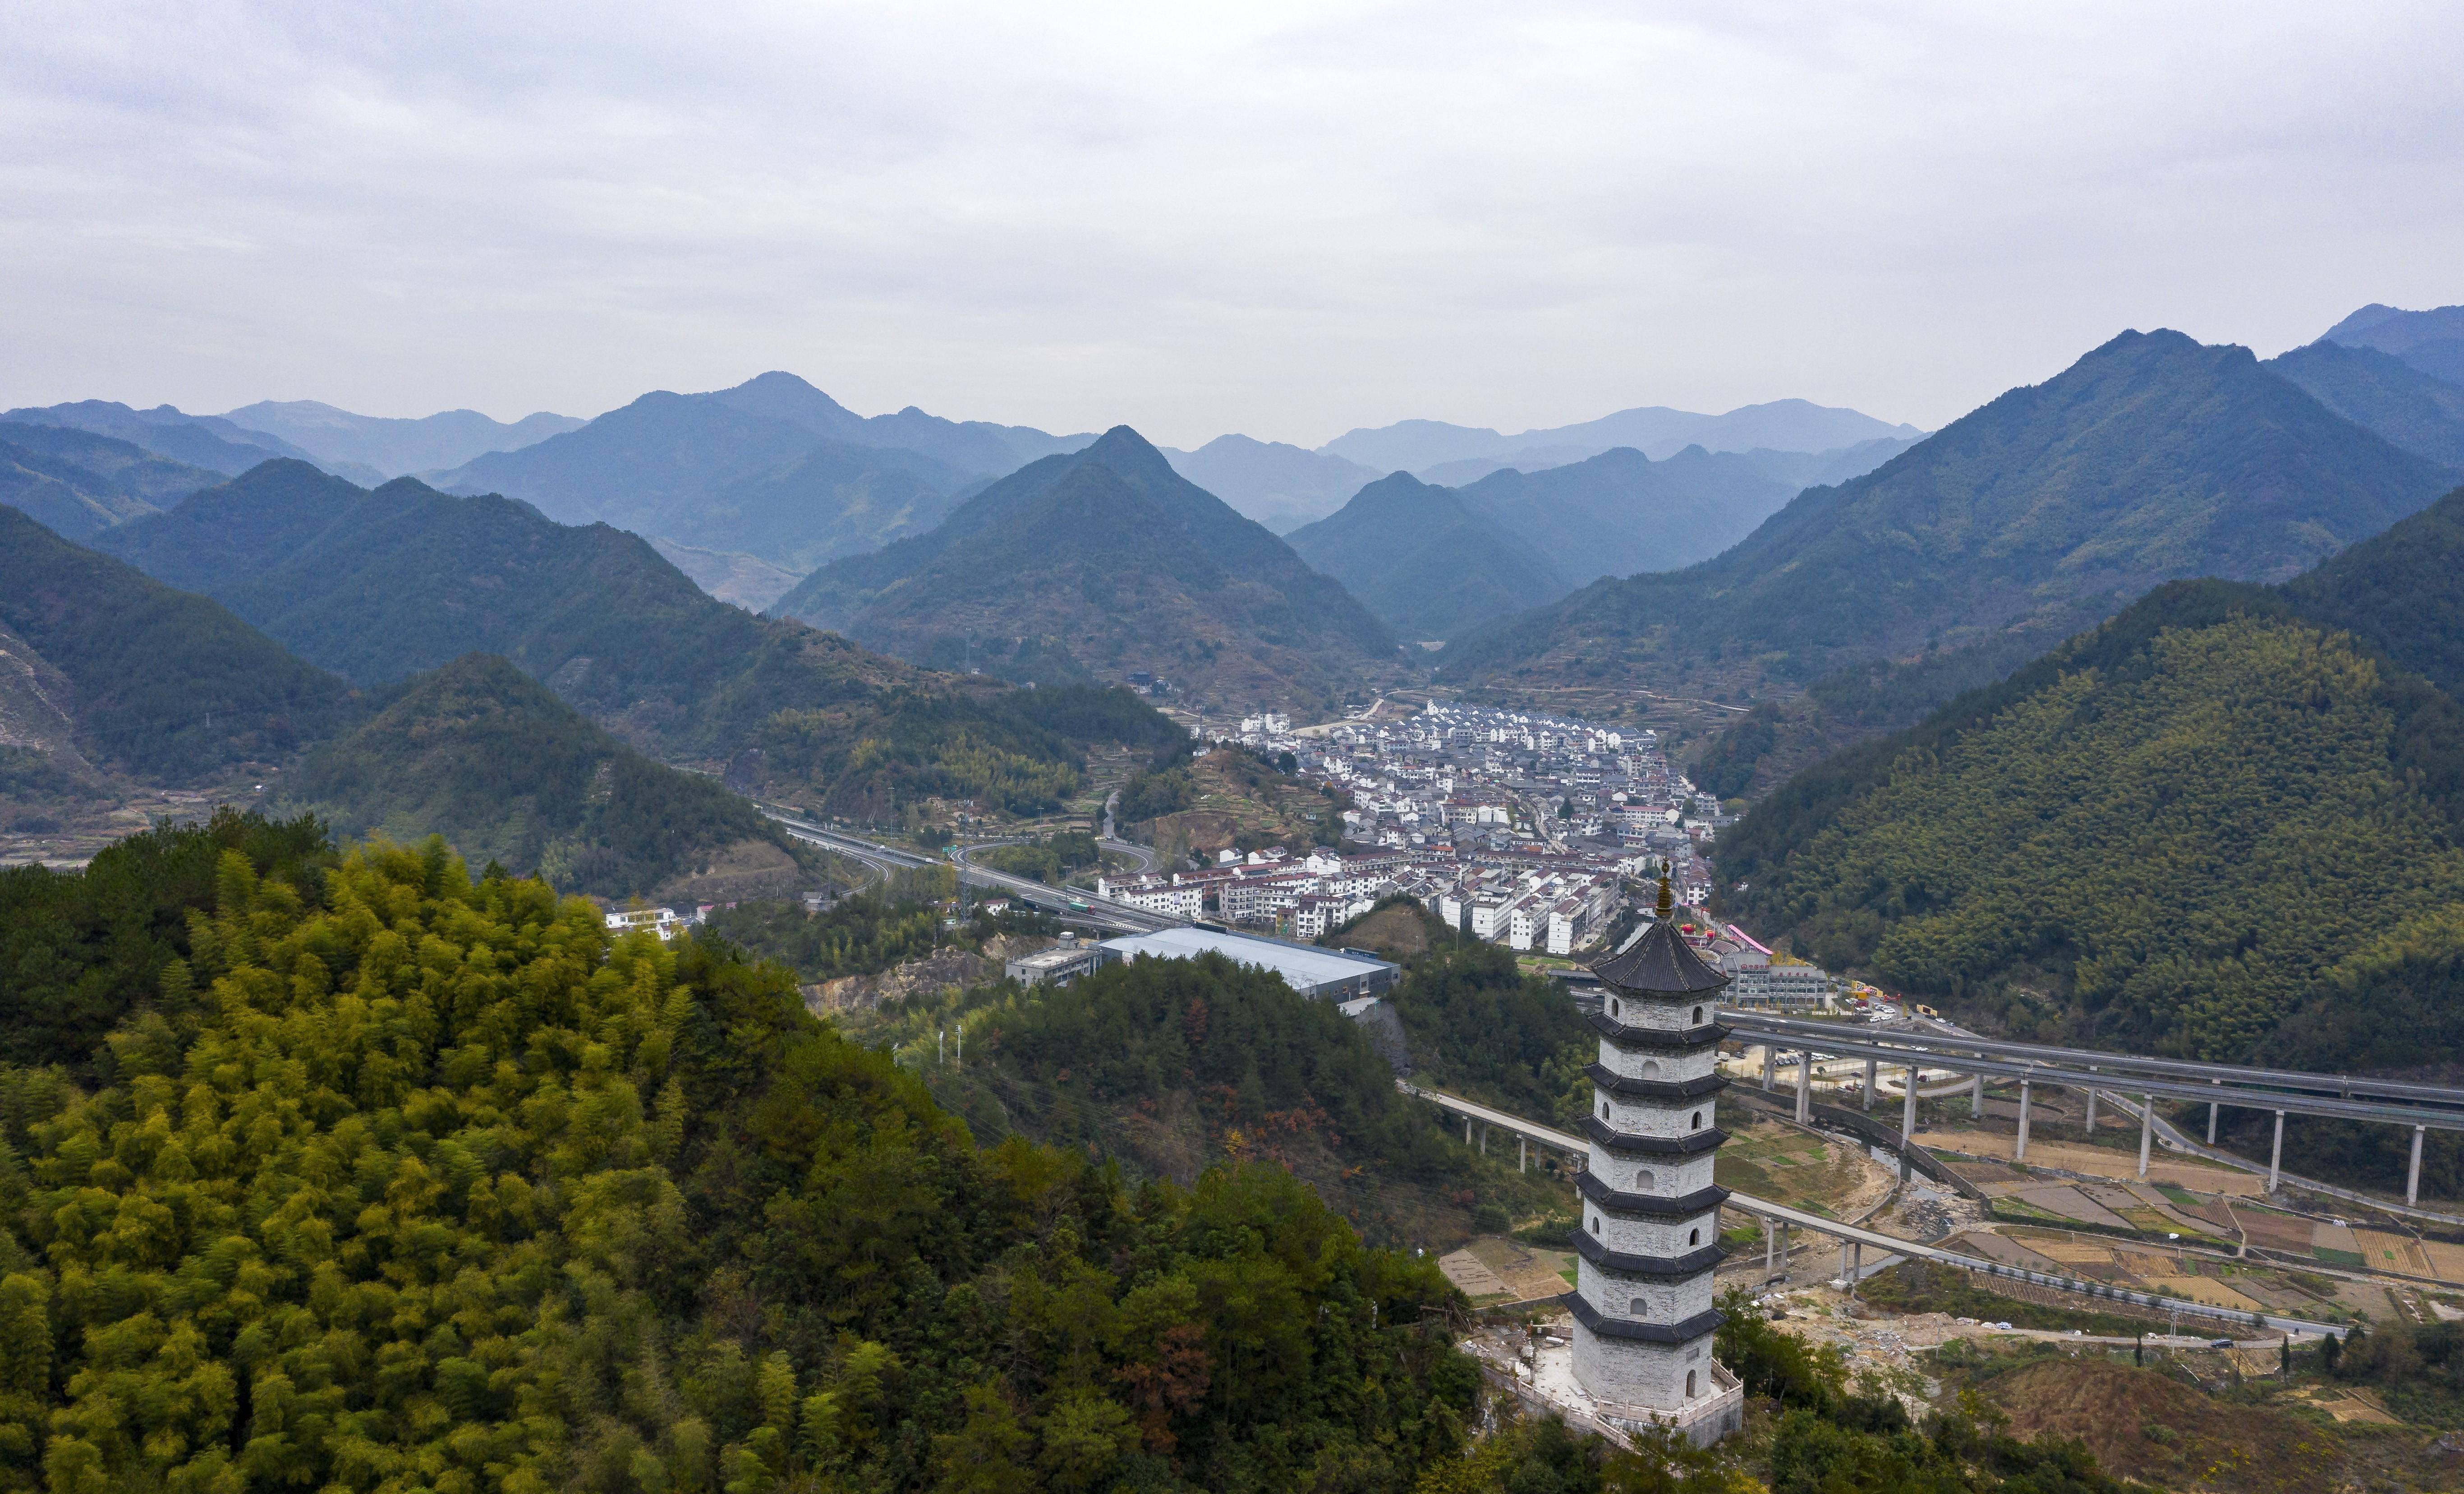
(1305,967)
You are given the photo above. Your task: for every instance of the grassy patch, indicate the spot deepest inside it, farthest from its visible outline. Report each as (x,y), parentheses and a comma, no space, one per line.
(1916,1286)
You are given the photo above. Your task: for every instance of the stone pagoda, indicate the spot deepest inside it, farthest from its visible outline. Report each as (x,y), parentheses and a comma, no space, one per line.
(1650,1231)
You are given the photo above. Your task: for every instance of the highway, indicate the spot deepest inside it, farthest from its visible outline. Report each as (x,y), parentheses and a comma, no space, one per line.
(1796,1219)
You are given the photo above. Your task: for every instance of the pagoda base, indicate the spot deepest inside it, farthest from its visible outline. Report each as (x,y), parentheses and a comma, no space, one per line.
(1546,1383)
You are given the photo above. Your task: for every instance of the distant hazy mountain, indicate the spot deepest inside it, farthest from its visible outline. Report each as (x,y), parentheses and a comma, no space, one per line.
(1622,512)
(2150,459)
(2417,411)
(1525,458)
(2431,341)
(1793,425)
(162,684)
(482,754)
(391,445)
(772,468)
(208,442)
(77,483)
(1123,562)
(1421,558)
(1828,469)
(1278,486)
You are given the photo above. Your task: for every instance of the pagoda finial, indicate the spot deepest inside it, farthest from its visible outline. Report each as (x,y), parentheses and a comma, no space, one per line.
(1667,901)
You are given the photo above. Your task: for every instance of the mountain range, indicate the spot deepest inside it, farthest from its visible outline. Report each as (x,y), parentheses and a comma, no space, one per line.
(2429,341)
(1434,562)
(2151,457)
(391,446)
(1110,559)
(77,483)
(1789,425)
(209,441)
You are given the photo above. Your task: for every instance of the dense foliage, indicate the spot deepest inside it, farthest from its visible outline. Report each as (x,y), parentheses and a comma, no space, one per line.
(2152,457)
(1478,1026)
(1049,859)
(481,753)
(167,684)
(429,1185)
(1147,796)
(2180,839)
(80,949)
(859,935)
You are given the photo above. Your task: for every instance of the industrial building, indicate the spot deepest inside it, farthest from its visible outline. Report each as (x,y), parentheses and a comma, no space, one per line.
(1336,974)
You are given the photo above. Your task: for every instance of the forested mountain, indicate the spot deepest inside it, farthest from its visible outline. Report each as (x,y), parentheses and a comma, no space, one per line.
(1112,557)
(2150,459)
(161,683)
(208,442)
(383,585)
(2429,341)
(593,1213)
(77,483)
(394,446)
(772,468)
(1419,559)
(2421,414)
(1278,486)
(2211,827)
(482,754)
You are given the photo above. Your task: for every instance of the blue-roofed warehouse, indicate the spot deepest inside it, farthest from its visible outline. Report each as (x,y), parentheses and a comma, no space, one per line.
(1336,974)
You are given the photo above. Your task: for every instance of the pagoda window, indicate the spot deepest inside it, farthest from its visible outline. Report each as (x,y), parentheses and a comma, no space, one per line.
(1694,1237)
(1642,1177)
(1697,1121)
(1698,1016)
(1690,1382)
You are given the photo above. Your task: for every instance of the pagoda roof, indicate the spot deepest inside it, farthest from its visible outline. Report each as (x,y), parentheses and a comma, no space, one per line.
(1659,963)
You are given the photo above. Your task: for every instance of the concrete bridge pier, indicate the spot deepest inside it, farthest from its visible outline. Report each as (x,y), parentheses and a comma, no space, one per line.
(1805,1086)
(2020,1154)
(1909,1120)
(1871,1069)
(1770,1057)
(2276,1156)
(2146,1132)
(2091,1111)
(1976,1097)
(2412,1170)
(1522,1153)
(2212,1107)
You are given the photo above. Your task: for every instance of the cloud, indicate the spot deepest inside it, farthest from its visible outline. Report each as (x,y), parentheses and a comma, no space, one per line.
(1284,219)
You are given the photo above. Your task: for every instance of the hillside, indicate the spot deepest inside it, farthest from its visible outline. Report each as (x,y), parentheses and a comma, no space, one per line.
(391,445)
(1278,486)
(1125,564)
(2423,414)
(483,755)
(1168,1065)
(2429,341)
(2151,457)
(379,586)
(161,684)
(2211,827)
(1419,559)
(606,1156)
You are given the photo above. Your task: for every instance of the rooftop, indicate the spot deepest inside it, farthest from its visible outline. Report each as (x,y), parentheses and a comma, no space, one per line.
(1302,966)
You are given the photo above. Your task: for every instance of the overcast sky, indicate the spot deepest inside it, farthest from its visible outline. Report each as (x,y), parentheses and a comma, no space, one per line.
(1286,219)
